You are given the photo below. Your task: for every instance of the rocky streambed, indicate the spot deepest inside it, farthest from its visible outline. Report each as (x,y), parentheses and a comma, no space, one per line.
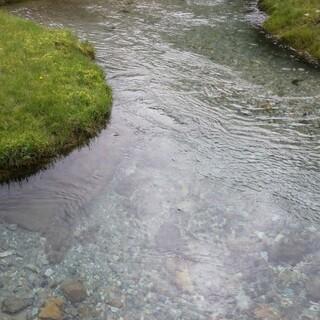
(31,288)
(278,281)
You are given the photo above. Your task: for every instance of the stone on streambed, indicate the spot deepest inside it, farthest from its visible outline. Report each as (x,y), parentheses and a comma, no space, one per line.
(87,312)
(6,254)
(115,302)
(52,310)
(288,251)
(74,290)
(13,305)
(115,298)
(12,227)
(32,268)
(266,312)
(183,280)
(313,289)
(181,274)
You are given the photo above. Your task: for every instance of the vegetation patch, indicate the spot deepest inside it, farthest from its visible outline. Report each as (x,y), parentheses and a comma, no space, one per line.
(53,97)
(296,22)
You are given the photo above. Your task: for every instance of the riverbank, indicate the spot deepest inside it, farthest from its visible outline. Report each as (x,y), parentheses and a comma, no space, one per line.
(53,96)
(296,23)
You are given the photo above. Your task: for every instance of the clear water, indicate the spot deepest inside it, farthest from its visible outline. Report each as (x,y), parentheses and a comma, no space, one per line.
(201,197)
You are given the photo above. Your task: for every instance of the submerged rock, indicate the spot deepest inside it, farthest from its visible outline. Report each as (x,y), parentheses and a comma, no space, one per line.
(183,280)
(32,268)
(48,273)
(115,302)
(181,274)
(87,312)
(13,305)
(74,290)
(52,310)
(286,251)
(266,312)
(313,288)
(114,297)
(6,254)
(12,227)
(169,238)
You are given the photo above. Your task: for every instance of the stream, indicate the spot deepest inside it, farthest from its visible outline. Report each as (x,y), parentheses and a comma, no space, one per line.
(201,198)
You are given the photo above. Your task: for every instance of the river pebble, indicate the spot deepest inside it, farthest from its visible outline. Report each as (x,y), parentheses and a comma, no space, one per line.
(15,304)
(74,290)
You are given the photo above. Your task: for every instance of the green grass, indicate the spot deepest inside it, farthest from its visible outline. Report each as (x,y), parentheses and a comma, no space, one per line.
(295,22)
(53,97)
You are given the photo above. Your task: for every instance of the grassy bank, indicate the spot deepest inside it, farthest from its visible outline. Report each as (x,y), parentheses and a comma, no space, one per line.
(295,22)
(53,97)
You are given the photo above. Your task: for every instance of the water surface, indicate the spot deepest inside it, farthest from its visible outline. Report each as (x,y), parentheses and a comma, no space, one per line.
(200,200)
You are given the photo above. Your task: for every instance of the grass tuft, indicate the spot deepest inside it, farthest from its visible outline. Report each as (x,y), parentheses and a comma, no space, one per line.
(296,22)
(53,97)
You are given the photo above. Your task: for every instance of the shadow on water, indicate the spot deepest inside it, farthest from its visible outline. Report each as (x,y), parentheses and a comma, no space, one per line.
(38,204)
(21,175)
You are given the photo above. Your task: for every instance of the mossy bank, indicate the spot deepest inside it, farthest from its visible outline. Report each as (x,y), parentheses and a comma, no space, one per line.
(296,23)
(53,97)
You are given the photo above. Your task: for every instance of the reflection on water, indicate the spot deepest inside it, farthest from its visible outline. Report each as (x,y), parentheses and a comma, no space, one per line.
(201,198)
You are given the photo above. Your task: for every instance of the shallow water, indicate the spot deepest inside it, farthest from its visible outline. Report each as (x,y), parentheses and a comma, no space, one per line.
(200,200)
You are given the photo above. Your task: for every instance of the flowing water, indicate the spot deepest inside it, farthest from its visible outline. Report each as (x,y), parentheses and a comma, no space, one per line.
(201,198)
